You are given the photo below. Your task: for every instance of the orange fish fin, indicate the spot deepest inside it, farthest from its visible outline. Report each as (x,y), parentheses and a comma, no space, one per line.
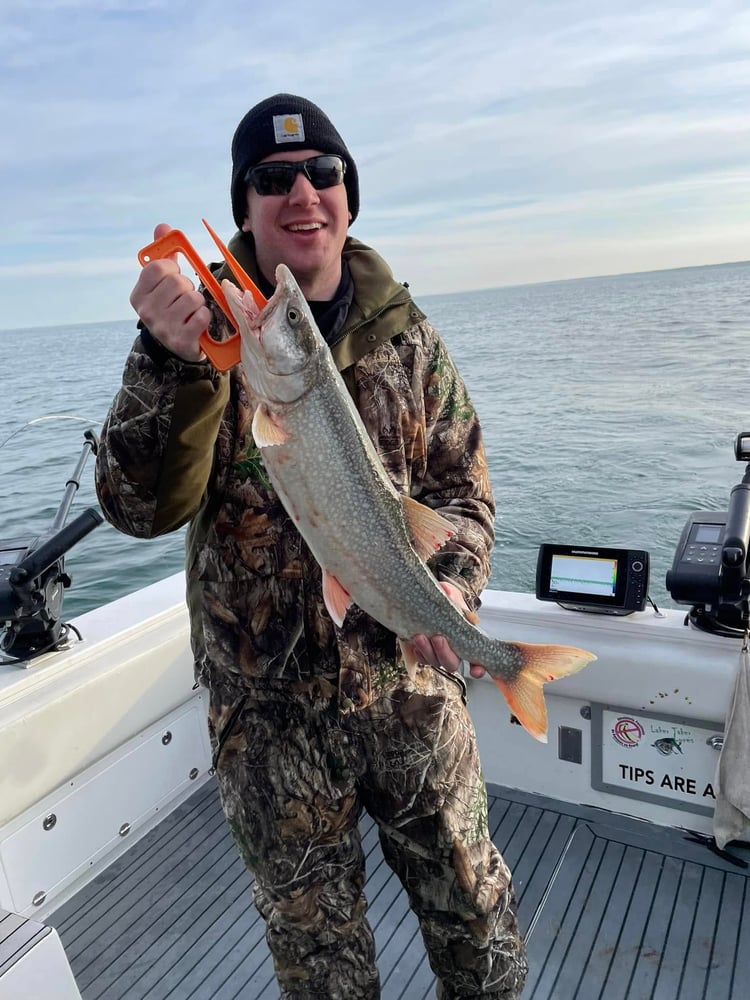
(266,430)
(337,598)
(526,701)
(428,530)
(410,658)
(539,664)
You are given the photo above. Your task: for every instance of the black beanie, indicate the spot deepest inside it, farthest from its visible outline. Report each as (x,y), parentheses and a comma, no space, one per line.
(277,124)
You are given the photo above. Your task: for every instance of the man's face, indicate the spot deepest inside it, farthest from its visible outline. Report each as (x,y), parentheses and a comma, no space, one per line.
(304,229)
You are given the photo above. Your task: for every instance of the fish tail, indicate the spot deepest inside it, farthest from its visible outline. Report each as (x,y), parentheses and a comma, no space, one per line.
(538,664)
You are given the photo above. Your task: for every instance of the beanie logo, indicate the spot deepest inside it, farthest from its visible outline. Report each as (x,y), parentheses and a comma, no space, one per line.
(288,128)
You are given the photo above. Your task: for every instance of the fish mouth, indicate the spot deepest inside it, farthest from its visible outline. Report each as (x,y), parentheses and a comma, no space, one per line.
(286,289)
(260,321)
(284,285)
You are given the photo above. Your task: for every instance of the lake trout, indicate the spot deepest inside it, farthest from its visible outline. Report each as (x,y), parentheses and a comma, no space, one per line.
(371,542)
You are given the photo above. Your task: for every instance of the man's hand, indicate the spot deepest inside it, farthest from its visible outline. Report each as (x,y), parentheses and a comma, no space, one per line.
(436,651)
(174,311)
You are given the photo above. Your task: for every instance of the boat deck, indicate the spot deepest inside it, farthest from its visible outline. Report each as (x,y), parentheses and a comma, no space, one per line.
(611,908)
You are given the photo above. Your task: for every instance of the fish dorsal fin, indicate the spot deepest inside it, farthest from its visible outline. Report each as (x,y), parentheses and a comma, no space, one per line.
(428,530)
(337,598)
(266,431)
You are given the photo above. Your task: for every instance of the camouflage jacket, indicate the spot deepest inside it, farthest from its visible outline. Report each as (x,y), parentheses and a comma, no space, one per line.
(177,448)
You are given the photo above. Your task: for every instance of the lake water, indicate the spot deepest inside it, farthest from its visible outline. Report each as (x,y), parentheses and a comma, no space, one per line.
(609,406)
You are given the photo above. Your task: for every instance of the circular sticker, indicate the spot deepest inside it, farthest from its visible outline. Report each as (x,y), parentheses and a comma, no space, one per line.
(628,732)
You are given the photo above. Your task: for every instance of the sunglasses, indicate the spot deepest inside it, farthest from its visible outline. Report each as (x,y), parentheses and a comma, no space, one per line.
(279,177)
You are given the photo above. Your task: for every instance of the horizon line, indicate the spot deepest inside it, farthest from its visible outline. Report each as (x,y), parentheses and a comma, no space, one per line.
(427,295)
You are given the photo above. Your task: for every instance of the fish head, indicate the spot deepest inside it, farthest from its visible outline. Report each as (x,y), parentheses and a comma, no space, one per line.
(280,344)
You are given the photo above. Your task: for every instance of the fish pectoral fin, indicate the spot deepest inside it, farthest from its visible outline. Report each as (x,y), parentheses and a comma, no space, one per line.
(428,530)
(410,658)
(540,663)
(266,430)
(451,591)
(337,599)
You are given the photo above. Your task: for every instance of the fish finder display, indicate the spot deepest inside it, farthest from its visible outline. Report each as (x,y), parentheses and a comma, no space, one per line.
(708,534)
(584,575)
(587,578)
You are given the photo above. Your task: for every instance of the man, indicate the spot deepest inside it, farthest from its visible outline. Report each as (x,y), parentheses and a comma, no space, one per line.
(311,722)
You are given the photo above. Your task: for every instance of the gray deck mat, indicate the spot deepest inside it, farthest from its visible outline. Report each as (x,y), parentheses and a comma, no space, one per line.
(612,908)
(17,937)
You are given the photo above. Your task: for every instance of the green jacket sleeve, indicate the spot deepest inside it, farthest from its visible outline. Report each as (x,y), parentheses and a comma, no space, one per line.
(157,445)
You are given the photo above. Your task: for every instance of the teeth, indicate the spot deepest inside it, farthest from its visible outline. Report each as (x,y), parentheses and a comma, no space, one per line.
(305,227)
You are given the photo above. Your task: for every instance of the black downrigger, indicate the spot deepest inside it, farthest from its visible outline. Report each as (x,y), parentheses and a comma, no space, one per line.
(33,578)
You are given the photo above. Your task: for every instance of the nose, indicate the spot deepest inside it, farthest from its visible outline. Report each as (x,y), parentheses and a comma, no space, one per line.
(303,193)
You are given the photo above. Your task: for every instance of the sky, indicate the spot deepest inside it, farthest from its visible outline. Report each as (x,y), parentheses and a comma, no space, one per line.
(497,142)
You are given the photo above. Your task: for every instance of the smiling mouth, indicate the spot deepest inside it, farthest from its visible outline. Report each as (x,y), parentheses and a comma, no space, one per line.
(304,227)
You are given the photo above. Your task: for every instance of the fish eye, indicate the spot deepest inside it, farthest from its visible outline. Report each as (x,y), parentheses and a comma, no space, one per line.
(293,315)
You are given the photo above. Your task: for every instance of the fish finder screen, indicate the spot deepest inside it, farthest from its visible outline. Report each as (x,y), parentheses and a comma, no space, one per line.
(583,575)
(708,533)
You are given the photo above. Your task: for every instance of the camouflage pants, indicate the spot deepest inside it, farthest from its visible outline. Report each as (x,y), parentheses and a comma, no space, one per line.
(294,776)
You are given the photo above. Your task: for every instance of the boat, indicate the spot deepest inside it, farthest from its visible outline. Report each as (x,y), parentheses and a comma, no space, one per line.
(119,878)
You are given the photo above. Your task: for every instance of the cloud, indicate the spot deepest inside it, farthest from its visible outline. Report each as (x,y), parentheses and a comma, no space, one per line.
(515,141)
